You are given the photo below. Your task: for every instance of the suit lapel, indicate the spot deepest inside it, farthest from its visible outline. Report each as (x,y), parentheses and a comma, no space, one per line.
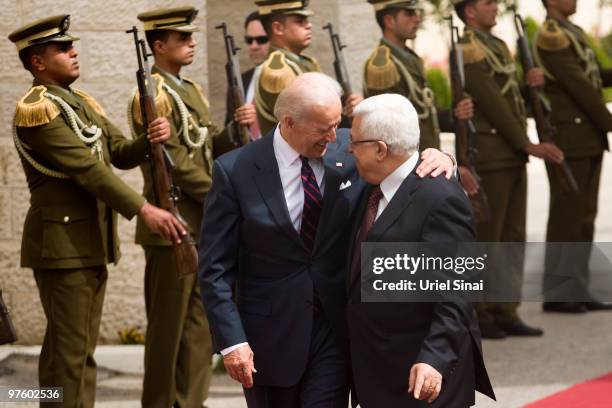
(401,200)
(332,188)
(267,178)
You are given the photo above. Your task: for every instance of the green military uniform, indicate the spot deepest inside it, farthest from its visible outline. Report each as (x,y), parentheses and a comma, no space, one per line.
(67,146)
(281,66)
(501,139)
(394,69)
(574,87)
(178,349)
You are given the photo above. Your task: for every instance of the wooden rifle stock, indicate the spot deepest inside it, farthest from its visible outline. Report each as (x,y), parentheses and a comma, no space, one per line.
(546,130)
(464,129)
(166,193)
(339,64)
(239,133)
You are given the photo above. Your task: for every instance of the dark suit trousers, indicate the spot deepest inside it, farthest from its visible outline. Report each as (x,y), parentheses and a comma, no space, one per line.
(324,383)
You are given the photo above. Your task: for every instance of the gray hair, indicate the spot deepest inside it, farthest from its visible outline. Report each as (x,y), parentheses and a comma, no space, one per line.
(392,119)
(307,90)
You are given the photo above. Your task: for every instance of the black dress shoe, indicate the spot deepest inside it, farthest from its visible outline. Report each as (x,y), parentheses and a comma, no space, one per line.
(595,305)
(518,328)
(564,307)
(492,331)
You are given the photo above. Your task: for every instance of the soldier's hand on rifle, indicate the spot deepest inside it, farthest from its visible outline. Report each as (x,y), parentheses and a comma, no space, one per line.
(546,151)
(535,78)
(351,102)
(246,115)
(162,222)
(159,130)
(464,109)
(469,183)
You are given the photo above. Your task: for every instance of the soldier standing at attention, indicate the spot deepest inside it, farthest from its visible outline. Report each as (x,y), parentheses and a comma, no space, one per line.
(503,148)
(67,146)
(290,33)
(178,351)
(395,68)
(574,88)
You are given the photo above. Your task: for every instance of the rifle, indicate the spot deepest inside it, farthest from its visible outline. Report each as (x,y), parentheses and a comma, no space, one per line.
(166,193)
(541,110)
(339,64)
(464,129)
(7,330)
(239,133)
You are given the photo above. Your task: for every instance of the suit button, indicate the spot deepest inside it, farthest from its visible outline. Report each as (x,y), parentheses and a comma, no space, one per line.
(66,219)
(578,121)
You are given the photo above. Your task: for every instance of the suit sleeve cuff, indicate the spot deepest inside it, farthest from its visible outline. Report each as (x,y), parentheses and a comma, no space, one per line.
(228,350)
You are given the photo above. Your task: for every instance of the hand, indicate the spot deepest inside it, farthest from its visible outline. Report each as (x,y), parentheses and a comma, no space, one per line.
(464,109)
(162,222)
(547,151)
(425,381)
(535,78)
(350,103)
(468,181)
(159,130)
(246,115)
(239,365)
(434,163)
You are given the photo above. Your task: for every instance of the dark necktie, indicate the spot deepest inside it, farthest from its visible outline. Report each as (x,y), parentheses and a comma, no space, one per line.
(313,202)
(369,216)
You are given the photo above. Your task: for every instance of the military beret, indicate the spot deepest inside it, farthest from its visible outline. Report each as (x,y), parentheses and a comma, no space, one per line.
(395,4)
(174,19)
(267,7)
(50,29)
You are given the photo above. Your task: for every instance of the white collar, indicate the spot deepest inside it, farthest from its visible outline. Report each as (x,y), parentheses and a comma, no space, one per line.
(285,154)
(393,181)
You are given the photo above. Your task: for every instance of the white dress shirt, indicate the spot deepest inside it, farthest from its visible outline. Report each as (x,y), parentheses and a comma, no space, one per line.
(290,170)
(393,181)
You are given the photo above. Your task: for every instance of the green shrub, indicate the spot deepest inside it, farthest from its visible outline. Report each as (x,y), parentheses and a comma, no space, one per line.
(439,83)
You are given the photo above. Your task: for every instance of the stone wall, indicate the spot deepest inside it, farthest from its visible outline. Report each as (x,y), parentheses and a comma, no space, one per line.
(108,65)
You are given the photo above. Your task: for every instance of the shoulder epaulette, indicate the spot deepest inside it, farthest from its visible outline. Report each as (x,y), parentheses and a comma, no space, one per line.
(276,73)
(162,102)
(472,50)
(199,89)
(35,109)
(380,70)
(551,37)
(90,101)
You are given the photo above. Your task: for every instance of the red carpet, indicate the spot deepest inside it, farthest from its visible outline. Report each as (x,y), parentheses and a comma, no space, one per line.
(596,393)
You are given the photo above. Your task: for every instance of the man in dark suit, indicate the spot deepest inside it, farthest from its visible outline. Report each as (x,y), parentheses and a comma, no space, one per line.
(258,44)
(403,354)
(276,228)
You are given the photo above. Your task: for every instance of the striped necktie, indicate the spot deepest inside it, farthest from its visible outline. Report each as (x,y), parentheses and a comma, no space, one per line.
(313,202)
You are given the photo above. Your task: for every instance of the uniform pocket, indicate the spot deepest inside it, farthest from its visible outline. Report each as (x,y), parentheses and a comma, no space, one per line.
(66,232)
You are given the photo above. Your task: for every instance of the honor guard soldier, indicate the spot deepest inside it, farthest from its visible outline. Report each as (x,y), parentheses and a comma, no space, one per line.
(67,146)
(503,148)
(290,33)
(582,121)
(178,351)
(395,68)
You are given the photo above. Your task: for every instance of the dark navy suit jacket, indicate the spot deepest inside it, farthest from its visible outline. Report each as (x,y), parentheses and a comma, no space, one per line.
(249,246)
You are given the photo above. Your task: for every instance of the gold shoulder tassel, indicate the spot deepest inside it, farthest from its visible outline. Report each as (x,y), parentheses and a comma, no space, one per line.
(34,109)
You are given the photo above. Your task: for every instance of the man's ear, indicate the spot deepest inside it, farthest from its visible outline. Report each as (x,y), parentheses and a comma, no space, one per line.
(389,21)
(278,28)
(382,150)
(159,47)
(37,63)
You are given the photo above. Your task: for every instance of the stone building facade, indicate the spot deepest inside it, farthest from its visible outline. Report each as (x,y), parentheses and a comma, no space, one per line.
(107,67)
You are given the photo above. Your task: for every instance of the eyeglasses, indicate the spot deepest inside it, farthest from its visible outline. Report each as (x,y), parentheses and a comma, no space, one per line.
(260,39)
(355,142)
